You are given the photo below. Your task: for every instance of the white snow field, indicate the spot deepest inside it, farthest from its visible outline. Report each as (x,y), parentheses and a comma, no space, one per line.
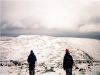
(49,52)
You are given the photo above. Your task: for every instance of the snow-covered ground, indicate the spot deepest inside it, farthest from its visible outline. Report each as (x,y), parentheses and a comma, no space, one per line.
(49,52)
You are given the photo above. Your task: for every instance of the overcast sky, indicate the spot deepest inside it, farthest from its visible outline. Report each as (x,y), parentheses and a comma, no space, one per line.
(50,17)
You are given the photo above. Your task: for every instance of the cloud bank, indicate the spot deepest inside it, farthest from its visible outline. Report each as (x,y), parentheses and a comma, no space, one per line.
(50,17)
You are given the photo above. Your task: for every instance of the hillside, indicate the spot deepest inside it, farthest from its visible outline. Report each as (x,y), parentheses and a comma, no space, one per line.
(49,50)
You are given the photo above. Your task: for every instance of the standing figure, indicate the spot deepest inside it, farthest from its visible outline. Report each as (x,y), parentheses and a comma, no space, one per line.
(68,63)
(31,61)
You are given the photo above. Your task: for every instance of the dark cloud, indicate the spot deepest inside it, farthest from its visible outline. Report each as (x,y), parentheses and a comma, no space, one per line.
(11,30)
(15,30)
(93,35)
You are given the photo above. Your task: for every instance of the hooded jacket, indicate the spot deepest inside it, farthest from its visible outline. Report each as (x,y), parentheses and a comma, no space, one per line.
(31,58)
(68,61)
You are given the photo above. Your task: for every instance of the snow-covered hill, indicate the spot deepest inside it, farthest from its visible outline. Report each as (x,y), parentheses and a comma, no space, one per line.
(49,50)
(43,46)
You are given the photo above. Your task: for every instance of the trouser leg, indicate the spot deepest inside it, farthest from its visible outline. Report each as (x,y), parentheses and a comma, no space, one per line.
(30,72)
(69,71)
(33,70)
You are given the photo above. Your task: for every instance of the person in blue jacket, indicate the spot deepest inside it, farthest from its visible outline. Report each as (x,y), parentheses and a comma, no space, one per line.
(31,61)
(68,63)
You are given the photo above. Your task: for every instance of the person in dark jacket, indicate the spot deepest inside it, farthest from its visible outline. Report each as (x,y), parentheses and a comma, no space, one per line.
(31,61)
(68,63)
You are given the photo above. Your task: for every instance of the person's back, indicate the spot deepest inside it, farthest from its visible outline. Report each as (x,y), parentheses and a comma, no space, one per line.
(31,61)
(31,58)
(68,63)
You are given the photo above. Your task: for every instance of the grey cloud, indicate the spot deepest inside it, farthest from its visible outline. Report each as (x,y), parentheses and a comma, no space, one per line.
(93,35)
(91,19)
(95,20)
(91,25)
(11,12)
(8,29)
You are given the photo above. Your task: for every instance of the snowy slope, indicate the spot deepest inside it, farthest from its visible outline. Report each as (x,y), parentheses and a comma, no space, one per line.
(20,47)
(49,50)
